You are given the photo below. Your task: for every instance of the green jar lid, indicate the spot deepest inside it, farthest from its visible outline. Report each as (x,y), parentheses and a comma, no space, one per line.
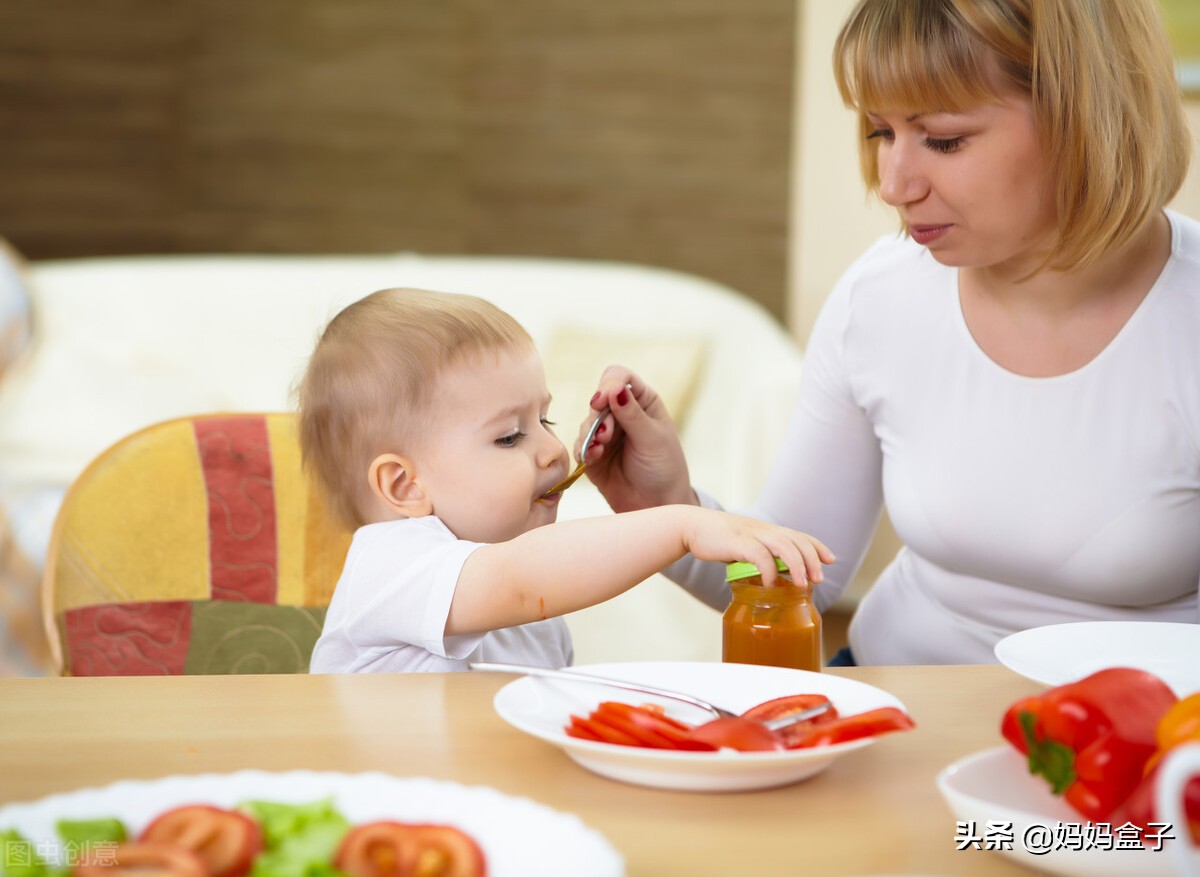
(744,569)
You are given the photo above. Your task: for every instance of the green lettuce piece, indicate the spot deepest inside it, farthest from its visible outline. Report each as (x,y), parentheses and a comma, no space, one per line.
(84,832)
(299,840)
(19,858)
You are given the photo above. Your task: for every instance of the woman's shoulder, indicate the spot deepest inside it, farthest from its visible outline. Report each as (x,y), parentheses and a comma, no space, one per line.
(892,277)
(890,265)
(1185,237)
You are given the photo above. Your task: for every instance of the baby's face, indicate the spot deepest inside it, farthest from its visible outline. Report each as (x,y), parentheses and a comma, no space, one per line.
(488,454)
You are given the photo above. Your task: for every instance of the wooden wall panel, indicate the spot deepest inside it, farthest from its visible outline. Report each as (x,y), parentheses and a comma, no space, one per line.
(656,132)
(651,132)
(88,124)
(320,125)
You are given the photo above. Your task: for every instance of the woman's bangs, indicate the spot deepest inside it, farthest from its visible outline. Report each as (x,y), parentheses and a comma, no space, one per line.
(935,69)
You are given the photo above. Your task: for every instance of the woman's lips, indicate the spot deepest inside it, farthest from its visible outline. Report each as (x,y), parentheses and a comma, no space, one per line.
(927,234)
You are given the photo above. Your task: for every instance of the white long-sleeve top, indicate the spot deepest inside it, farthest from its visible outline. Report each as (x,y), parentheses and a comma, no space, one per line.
(1020,501)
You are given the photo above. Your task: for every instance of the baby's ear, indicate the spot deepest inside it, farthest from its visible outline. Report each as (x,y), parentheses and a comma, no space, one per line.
(393,482)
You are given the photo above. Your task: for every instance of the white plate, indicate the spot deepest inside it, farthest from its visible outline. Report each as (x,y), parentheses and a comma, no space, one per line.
(519,837)
(995,786)
(1060,653)
(542,707)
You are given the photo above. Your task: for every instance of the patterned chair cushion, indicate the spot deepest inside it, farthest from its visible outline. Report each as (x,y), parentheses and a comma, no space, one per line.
(193,546)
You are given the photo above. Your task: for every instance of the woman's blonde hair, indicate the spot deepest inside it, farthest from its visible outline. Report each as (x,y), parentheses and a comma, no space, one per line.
(1107,106)
(372,378)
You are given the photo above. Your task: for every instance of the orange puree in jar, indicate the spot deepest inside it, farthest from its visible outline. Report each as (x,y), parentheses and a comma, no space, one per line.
(778,625)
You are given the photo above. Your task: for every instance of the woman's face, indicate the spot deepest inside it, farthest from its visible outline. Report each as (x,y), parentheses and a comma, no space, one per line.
(970,186)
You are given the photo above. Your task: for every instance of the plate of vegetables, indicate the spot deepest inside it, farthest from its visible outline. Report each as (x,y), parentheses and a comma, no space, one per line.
(1074,789)
(316,824)
(648,741)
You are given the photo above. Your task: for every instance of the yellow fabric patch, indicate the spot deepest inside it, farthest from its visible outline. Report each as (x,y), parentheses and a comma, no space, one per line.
(114,543)
(290,508)
(312,546)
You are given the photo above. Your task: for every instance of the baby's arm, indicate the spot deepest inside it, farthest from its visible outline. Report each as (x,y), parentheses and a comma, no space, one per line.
(560,568)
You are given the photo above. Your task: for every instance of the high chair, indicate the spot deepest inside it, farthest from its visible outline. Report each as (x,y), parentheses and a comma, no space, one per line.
(194,546)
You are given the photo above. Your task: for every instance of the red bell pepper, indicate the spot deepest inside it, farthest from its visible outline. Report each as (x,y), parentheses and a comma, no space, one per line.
(1091,739)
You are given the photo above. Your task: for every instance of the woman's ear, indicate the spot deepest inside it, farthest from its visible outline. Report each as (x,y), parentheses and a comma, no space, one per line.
(394,484)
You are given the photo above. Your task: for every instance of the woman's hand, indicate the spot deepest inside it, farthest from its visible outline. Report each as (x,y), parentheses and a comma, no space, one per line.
(636,459)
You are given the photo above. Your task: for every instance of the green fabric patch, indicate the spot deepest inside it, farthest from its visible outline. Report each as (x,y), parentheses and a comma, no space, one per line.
(234,637)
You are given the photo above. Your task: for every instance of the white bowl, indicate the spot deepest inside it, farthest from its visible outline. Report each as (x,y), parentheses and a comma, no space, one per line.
(995,787)
(543,707)
(1059,653)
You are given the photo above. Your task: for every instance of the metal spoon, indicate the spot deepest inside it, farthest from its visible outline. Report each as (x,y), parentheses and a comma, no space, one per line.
(580,466)
(573,676)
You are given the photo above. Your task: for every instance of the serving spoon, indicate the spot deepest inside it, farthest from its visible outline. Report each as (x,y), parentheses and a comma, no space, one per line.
(716,711)
(581,465)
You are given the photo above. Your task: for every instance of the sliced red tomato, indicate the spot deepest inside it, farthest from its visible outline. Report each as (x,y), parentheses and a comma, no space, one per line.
(143,860)
(650,725)
(591,728)
(791,703)
(744,735)
(579,728)
(628,725)
(225,840)
(401,849)
(792,735)
(869,724)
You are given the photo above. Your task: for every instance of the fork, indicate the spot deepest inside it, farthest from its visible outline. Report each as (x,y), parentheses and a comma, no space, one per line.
(580,466)
(574,676)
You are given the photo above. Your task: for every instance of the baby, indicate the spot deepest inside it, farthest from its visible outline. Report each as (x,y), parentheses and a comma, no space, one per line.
(423,416)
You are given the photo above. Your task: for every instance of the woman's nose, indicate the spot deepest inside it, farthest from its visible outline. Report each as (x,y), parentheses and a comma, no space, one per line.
(900,179)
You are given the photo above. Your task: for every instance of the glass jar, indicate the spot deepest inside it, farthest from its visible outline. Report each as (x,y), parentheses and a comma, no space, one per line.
(778,625)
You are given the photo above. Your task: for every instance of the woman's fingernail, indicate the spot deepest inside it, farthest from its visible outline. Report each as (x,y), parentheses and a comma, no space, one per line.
(600,430)
(623,396)
(597,396)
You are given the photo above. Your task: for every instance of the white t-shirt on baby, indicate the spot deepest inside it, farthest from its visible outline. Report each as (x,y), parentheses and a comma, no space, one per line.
(388,613)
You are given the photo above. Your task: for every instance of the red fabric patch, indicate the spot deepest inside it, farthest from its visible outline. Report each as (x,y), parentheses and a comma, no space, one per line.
(128,639)
(235,453)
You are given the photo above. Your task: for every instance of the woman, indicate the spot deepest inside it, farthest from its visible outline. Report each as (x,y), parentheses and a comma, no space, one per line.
(1017,375)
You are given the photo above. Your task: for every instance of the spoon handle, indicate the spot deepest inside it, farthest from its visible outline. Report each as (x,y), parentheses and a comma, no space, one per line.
(600,680)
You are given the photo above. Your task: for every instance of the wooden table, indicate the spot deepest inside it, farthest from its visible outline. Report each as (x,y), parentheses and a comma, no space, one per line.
(877,811)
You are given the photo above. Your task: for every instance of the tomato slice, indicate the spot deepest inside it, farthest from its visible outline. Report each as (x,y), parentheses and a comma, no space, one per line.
(744,735)
(143,860)
(869,724)
(793,736)
(788,704)
(591,728)
(649,724)
(225,840)
(401,849)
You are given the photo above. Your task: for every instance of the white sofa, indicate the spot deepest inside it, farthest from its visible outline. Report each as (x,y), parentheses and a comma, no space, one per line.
(122,342)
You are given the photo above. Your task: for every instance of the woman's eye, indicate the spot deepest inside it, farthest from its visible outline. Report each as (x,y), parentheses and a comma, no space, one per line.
(880,133)
(510,441)
(546,421)
(950,144)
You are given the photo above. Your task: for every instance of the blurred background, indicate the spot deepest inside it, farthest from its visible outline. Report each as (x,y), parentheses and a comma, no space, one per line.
(698,135)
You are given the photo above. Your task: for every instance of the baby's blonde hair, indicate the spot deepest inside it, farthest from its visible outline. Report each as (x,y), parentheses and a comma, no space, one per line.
(372,377)
(1100,73)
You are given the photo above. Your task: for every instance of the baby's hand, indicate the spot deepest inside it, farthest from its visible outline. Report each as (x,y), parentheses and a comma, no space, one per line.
(724,537)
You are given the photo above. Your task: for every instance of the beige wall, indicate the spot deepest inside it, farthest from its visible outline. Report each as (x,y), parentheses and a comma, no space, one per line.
(832,219)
